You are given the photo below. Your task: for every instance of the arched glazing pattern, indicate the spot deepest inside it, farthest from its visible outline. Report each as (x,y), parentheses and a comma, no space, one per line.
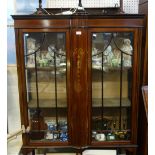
(45,69)
(112,59)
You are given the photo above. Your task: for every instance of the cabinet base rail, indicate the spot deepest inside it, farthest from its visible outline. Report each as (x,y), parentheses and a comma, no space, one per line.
(26,150)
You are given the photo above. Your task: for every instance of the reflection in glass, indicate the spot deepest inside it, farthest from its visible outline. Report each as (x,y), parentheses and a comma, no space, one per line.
(111,86)
(45,68)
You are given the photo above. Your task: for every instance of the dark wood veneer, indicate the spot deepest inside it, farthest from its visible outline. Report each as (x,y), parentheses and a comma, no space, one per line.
(79,71)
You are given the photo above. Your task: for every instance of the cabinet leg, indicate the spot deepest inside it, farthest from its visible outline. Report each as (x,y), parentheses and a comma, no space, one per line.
(132,152)
(33,152)
(27,152)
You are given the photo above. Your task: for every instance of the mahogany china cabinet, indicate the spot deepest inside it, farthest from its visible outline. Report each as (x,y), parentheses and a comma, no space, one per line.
(79,80)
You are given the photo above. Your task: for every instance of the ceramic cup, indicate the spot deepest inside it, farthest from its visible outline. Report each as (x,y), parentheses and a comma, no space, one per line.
(100,137)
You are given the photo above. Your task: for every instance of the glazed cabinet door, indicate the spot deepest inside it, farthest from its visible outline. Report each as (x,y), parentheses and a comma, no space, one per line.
(113,69)
(45,57)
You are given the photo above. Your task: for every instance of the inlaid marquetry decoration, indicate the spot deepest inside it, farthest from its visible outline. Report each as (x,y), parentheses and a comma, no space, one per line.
(78,56)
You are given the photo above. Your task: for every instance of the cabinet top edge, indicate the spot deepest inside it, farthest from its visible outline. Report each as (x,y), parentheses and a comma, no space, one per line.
(97,16)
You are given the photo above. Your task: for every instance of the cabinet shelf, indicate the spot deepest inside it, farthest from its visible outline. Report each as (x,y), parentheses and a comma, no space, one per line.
(107,131)
(109,68)
(52,131)
(60,69)
(111,103)
(96,103)
(47,103)
(48,141)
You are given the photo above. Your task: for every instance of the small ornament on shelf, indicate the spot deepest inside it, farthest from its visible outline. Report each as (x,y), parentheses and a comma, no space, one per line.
(100,137)
(114,125)
(111,137)
(108,54)
(31,47)
(95,52)
(62,56)
(43,61)
(121,135)
(63,136)
(127,55)
(31,43)
(50,58)
(94,134)
(116,60)
(49,135)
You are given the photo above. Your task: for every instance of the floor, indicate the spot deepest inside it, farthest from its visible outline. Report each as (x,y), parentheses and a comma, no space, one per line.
(14,146)
(13,113)
(12,100)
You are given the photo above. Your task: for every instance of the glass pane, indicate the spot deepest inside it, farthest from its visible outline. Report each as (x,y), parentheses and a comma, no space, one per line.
(45,68)
(111,86)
